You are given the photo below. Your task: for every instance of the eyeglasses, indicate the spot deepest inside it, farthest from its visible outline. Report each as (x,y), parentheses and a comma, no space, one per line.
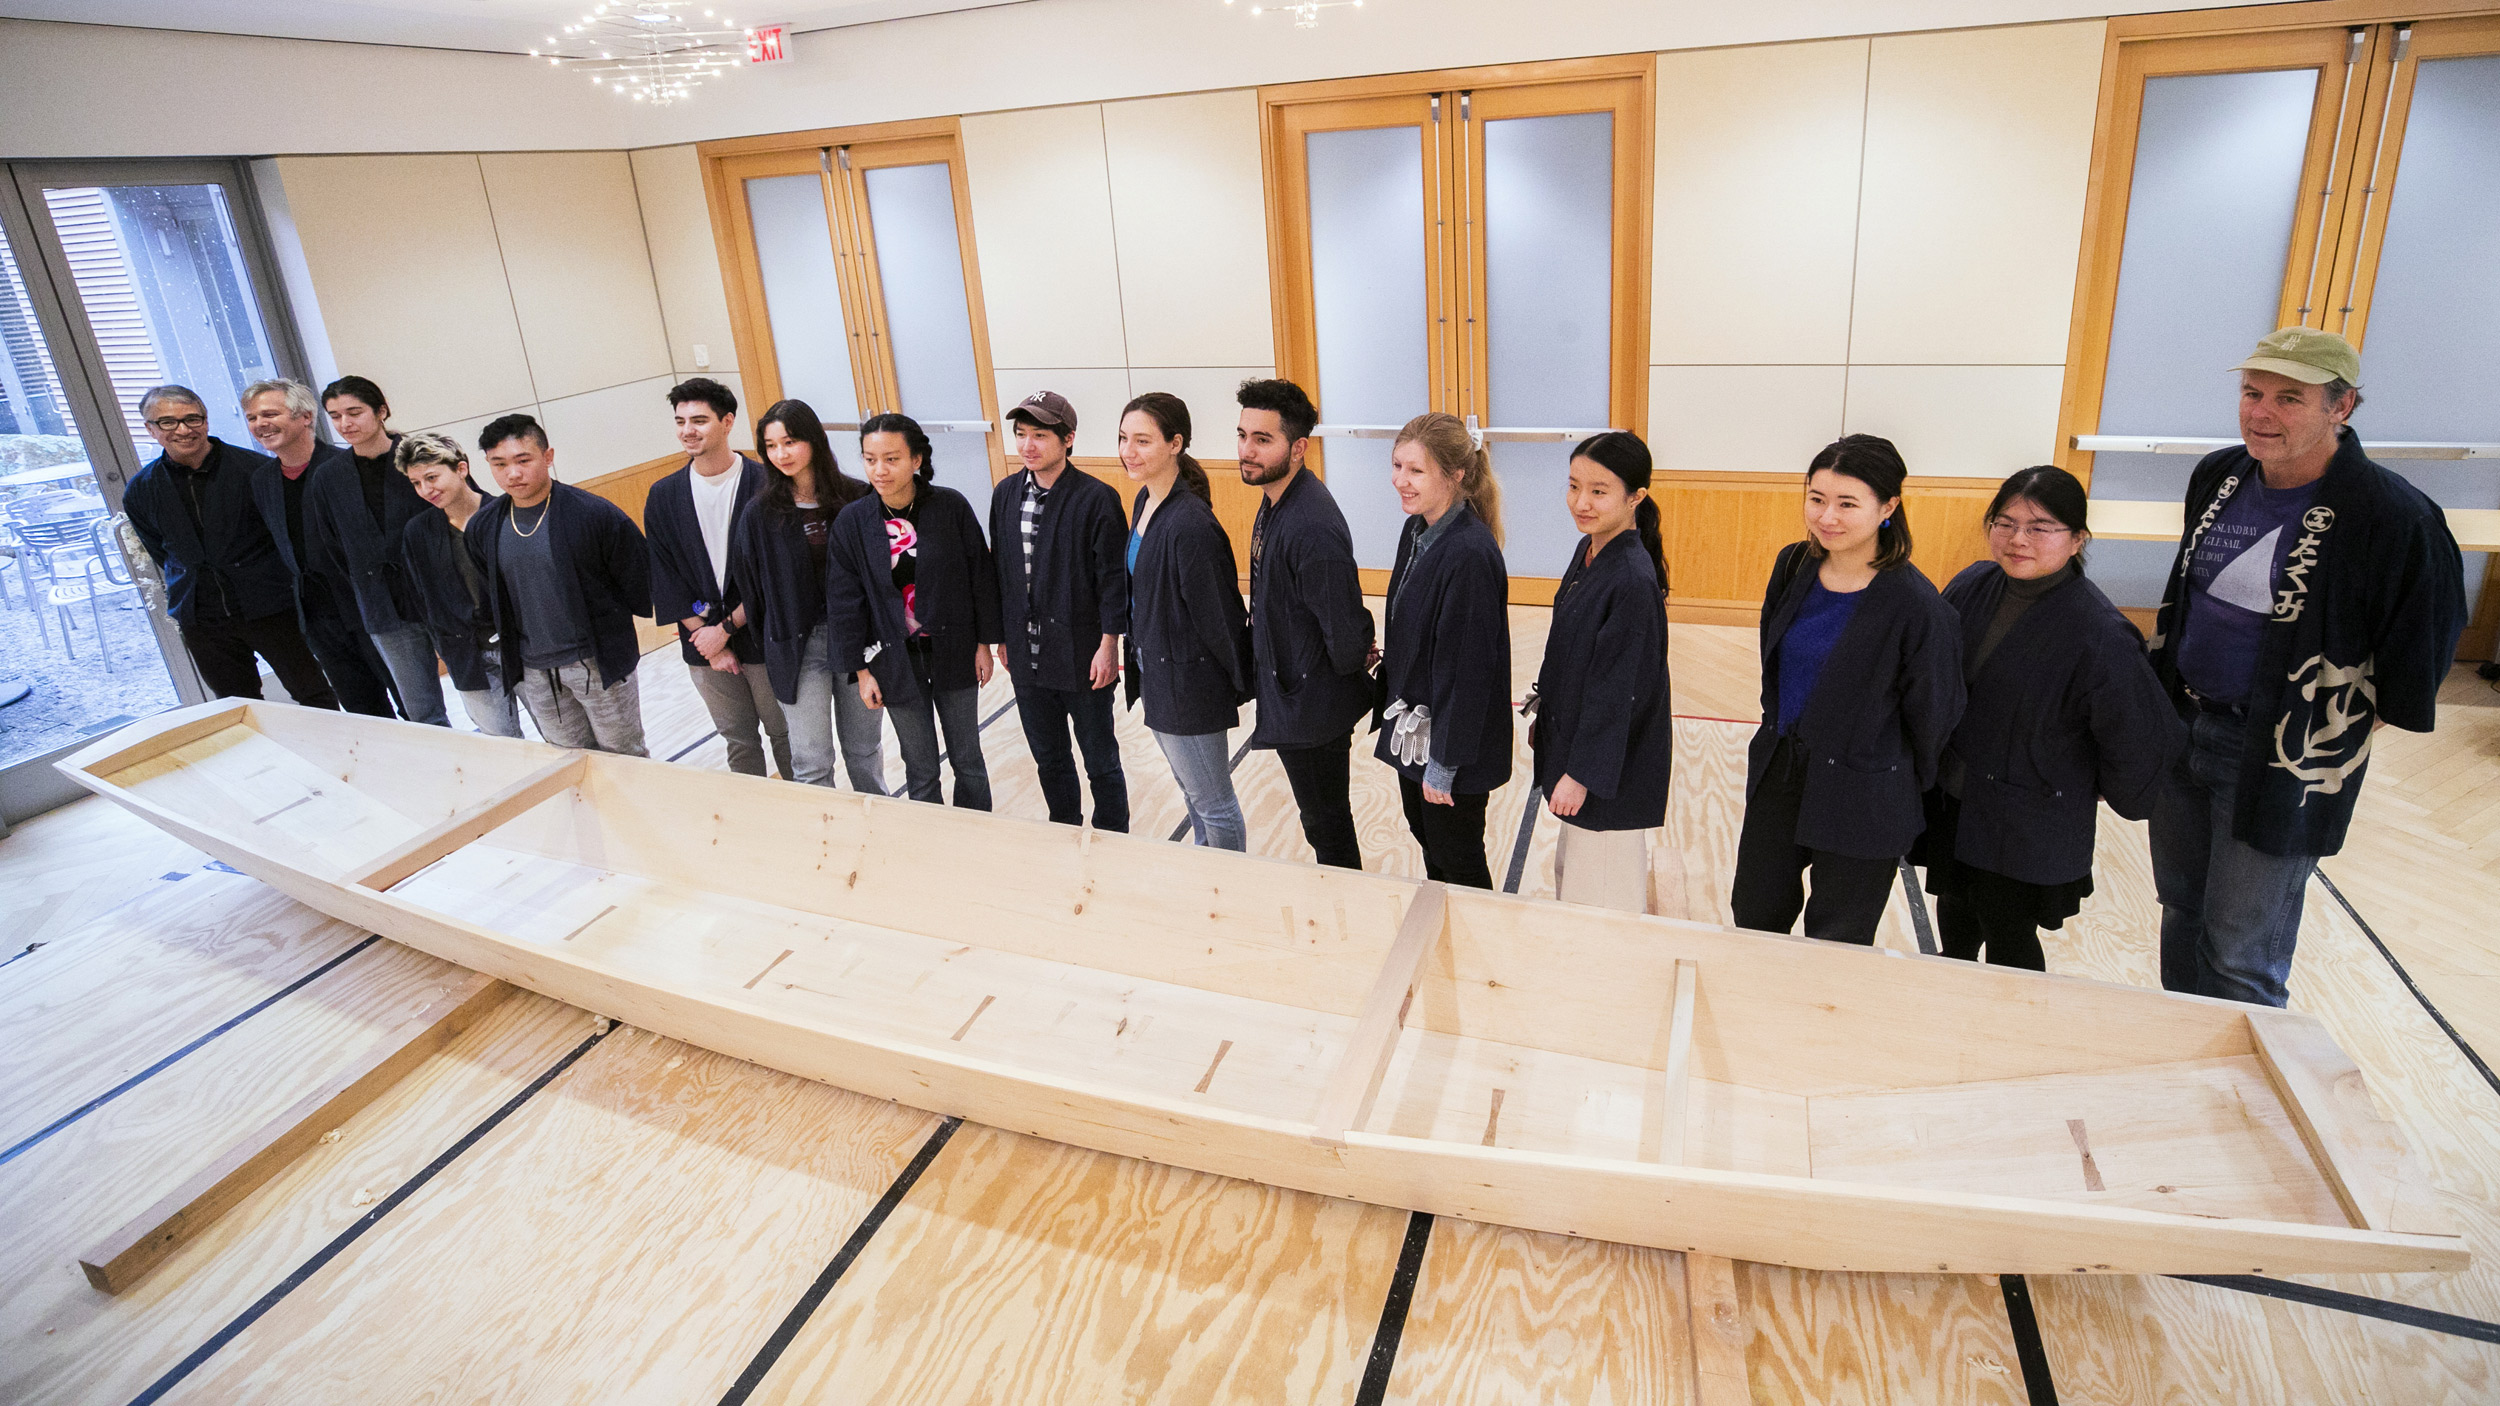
(2012,531)
(170,423)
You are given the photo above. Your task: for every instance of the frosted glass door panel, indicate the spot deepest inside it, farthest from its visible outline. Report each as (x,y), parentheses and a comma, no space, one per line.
(803,294)
(911,210)
(1368,309)
(1549,305)
(2432,356)
(2209,228)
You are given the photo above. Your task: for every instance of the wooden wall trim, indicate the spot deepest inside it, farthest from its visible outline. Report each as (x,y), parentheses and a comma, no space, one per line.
(627,487)
(830,136)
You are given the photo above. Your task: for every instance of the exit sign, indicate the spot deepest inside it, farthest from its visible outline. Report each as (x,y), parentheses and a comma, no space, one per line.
(768,43)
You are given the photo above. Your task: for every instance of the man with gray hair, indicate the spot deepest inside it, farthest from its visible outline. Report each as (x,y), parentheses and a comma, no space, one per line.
(225,584)
(2316,598)
(280,415)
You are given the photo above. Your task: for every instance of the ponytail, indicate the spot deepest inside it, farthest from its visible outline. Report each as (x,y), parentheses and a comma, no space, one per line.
(1621,453)
(1454,450)
(1171,416)
(915,439)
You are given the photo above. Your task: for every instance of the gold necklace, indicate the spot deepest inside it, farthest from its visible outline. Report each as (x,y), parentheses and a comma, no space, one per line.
(542,520)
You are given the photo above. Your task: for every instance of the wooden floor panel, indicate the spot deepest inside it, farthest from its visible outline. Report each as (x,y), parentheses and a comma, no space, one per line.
(1021,1271)
(69,865)
(1877,1339)
(1502,1315)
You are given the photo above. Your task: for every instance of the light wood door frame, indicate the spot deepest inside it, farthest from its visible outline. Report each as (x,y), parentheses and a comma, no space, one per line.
(841,158)
(2335,130)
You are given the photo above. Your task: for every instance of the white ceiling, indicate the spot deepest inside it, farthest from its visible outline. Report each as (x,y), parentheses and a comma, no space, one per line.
(504,26)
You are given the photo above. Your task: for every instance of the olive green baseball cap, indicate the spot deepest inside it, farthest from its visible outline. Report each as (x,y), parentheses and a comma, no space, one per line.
(2307,355)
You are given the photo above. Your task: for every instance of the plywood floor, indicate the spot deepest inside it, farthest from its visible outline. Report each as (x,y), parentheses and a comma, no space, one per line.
(547,1210)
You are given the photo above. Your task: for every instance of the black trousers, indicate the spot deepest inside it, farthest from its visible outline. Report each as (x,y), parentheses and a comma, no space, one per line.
(359,678)
(223,651)
(1452,835)
(1048,715)
(1994,912)
(1849,892)
(1318,776)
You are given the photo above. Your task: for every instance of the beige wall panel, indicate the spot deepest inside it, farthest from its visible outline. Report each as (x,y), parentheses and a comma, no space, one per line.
(1967,421)
(1770,419)
(1041,218)
(668,185)
(1208,392)
(1978,151)
(1190,208)
(419,305)
(602,431)
(581,273)
(1757,189)
(465,432)
(1096,392)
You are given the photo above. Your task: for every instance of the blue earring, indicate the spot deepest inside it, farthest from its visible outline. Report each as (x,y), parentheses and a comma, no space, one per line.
(1887,522)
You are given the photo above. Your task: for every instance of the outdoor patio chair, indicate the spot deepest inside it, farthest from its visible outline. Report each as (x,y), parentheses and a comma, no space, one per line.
(49,554)
(99,576)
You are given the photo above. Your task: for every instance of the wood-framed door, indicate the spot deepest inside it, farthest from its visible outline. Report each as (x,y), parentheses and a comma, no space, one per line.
(1406,247)
(2360,63)
(798,218)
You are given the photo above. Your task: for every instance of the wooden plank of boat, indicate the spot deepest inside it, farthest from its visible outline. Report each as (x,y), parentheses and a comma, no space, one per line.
(1832,1107)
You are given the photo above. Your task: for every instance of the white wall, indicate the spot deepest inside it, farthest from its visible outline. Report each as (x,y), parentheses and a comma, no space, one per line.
(94,90)
(472,286)
(1869,235)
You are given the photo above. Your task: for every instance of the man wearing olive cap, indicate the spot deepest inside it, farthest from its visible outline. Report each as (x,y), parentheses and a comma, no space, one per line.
(2316,597)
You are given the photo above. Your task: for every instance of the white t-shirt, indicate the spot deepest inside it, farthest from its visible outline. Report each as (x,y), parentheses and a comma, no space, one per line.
(715,499)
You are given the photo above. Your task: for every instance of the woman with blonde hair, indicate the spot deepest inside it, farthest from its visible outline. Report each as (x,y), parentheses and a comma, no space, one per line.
(1445,659)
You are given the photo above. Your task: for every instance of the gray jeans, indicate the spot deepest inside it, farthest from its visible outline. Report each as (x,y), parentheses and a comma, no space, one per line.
(573,709)
(490,709)
(828,707)
(409,653)
(1201,765)
(739,703)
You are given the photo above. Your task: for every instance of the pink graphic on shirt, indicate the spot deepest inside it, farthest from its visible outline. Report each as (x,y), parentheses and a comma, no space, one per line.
(902,540)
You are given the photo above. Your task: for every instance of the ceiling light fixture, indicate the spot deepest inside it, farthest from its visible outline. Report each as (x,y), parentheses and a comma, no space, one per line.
(654,51)
(1305,12)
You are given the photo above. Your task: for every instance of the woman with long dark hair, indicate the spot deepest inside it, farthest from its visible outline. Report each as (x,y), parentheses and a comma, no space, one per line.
(911,594)
(1603,732)
(778,552)
(2065,711)
(1189,635)
(1861,685)
(1446,656)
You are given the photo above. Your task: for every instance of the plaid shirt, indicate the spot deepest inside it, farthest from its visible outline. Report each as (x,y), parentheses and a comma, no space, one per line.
(1036,498)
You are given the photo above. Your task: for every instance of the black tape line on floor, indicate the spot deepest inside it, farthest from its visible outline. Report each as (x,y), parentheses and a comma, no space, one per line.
(2455,1325)
(2029,1352)
(1384,1354)
(1918,910)
(2472,1057)
(339,1243)
(788,1330)
(177,1056)
(1519,847)
(1183,828)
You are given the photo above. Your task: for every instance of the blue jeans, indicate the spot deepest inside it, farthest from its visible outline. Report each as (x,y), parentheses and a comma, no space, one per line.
(916,724)
(2230,913)
(1200,763)
(829,707)
(1049,714)
(491,709)
(409,654)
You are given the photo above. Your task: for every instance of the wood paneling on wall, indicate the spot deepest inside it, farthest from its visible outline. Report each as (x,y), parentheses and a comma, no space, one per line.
(1723,531)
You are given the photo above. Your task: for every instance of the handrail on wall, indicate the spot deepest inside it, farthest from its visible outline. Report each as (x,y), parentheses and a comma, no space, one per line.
(2194,444)
(1493,434)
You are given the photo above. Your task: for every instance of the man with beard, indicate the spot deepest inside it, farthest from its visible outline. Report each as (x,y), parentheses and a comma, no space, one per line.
(1310,637)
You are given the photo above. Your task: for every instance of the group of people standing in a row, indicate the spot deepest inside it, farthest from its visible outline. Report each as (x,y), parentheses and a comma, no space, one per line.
(2315,596)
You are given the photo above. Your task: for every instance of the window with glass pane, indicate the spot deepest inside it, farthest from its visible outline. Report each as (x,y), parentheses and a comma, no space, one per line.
(1549,307)
(1368,310)
(161,276)
(2434,321)
(803,293)
(81,657)
(928,321)
(2210,213)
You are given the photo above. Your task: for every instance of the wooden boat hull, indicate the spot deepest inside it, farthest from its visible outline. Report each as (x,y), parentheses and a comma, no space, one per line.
(1497,987)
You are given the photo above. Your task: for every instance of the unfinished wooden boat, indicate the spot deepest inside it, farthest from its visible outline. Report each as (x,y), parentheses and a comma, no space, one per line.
(1522,1062)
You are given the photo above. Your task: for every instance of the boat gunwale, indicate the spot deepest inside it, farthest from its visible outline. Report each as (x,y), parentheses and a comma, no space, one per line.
(2208,1244)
